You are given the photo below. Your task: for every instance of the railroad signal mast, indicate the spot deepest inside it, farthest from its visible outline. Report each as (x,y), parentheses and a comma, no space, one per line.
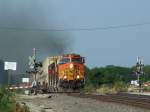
(34,64)
(139,70)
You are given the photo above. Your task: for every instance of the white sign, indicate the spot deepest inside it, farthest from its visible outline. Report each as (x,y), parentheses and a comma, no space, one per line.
(135,82)
(24,80)
(10,66)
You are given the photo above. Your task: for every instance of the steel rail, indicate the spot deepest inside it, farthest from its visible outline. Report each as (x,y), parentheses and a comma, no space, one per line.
(127,99)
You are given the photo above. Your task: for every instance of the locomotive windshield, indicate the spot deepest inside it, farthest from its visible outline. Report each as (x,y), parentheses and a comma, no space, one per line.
(64,60)
(74,59)
(77,60)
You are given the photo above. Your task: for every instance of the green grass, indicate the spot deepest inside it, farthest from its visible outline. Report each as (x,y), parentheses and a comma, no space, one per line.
(8,102)
(146,89)
(107,88)
(89,88)
(113,89)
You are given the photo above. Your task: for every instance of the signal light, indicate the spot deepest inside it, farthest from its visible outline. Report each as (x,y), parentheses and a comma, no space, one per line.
(71,65)
(65,77)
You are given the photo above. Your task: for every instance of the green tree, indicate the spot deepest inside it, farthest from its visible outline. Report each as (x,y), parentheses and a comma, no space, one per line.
(108,75)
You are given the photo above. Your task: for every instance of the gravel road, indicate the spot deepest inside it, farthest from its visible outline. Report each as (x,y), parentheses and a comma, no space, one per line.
(64,103)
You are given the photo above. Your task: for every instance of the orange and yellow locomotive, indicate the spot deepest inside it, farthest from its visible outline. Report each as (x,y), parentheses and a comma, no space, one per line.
(66,71)
(71,71)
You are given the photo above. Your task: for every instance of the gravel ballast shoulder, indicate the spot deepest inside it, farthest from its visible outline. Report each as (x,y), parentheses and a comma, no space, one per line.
(64,103)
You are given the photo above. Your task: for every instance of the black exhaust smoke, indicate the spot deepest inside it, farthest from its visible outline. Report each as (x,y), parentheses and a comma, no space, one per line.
(25,25)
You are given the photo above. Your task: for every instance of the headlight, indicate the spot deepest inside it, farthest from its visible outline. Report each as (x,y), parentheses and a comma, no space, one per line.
(71,65)
(65,77)
(78,77)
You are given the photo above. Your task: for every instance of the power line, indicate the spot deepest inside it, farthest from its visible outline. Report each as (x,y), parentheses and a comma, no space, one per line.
(74,29)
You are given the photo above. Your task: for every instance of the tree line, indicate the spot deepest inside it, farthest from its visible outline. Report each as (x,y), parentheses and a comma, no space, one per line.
(112,74)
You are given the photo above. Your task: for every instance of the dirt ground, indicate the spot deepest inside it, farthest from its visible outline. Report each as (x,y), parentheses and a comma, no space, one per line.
(65,103)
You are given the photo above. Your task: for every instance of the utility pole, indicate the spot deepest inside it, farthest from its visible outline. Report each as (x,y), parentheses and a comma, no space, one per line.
(34,59)
(139,70)
(9,75)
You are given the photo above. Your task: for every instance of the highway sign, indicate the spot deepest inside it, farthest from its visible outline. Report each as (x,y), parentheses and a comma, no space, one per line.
(10,66)
(25,80)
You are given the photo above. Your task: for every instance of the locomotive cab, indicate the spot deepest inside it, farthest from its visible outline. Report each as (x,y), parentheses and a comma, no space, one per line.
(71,71)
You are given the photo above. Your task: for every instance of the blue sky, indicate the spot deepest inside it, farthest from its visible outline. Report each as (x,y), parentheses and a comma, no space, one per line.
(101,47)
(113,46)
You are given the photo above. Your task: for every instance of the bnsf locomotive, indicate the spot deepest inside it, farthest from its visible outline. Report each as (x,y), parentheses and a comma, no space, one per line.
(63,72)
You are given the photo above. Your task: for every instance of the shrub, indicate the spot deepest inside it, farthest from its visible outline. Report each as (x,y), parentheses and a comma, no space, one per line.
(112,88)
(89,88)
(22,108)
(146,89)
(121,87)
(106,89)
(7,100)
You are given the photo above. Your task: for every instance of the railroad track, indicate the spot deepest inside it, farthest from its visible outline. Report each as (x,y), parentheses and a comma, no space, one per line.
(127,99)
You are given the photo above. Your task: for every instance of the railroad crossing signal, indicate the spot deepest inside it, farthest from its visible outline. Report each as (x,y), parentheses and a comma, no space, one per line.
(31,62)
(139,66)
(139,70)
